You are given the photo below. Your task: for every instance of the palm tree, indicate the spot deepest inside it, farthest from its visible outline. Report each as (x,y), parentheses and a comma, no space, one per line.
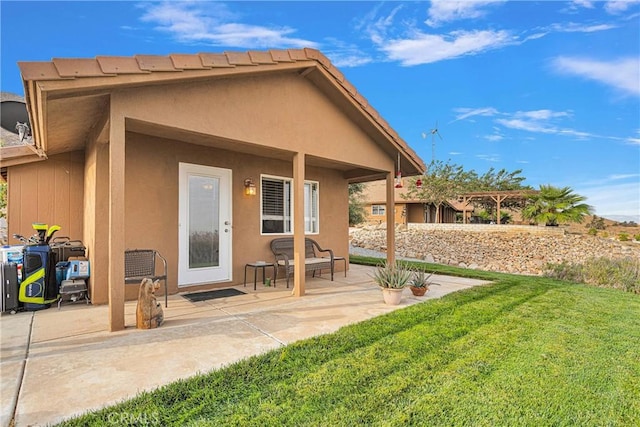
(553,206)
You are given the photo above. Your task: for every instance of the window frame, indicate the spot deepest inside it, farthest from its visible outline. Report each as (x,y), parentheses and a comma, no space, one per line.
(375,210)
(310,220)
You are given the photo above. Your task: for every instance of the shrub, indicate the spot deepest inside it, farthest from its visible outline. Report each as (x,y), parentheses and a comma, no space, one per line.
(636,237)
(623,237)
(593,232)
(621,273)
(597,223)
(565,271)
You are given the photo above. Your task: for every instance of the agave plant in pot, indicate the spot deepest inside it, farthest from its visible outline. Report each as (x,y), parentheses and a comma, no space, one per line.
(420,282)
(392,278)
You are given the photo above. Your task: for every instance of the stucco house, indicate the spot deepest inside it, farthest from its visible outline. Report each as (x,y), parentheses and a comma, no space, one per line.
(158,152)
(406,210)
(461,209)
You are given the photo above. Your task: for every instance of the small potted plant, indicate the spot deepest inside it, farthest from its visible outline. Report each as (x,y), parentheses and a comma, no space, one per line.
(420,282)
(392,278)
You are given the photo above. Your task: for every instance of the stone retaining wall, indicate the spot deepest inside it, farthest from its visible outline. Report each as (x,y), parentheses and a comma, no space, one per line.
(517,252)
(490,228)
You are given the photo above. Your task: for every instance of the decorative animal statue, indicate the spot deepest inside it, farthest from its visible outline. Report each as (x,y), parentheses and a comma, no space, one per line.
(148,311)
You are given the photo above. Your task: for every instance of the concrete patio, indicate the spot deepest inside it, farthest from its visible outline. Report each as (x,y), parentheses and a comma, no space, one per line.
(59,363)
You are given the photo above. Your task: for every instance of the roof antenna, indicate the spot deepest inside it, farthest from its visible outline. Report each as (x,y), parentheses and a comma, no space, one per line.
(433,133)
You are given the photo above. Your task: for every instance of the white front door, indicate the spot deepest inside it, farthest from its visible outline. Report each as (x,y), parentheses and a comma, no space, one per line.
(204,253)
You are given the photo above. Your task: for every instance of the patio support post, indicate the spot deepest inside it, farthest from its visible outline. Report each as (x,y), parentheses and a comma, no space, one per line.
(116,222)
(298,224)
(464,209)
(498,199)
(391,223)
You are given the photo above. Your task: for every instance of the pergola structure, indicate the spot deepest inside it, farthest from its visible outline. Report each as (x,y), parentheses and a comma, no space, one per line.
(498,197)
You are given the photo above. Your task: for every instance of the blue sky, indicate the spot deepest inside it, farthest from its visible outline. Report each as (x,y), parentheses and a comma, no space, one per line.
(549,87)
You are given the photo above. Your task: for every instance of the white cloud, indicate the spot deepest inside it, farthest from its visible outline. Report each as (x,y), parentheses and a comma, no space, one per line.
(213,23)
(618,177)
(634,140)
(616,199)
(536,125)
(622,74)
(442,11)
(527,125)
(375,27)
(347,60)
(465,113)
(541,114)
(543,121)
(619,6)
(489,157)
(422,48)
(401,39)
(573,27)
(583,3)
(344,55)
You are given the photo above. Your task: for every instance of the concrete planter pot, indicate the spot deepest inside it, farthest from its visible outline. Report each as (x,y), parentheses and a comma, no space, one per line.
(392,296)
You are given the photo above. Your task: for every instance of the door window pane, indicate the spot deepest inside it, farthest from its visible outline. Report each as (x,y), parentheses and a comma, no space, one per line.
(204,208)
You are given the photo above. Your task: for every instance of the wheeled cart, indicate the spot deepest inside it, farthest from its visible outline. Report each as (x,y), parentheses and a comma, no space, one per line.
(72,276)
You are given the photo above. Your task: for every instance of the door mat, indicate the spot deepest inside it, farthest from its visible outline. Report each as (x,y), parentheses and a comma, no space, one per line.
(207,295)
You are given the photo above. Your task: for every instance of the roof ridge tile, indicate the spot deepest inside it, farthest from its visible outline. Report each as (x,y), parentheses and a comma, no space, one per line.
(78,67)
(280,55)
(239,58)
(298,54)
(187,61)
(215,60)
(119,65)
(156,63)
(261,57)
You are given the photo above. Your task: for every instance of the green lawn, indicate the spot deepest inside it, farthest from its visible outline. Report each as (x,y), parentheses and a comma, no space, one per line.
(524,351)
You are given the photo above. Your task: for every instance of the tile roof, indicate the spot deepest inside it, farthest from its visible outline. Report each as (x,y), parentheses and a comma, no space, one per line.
(111,66)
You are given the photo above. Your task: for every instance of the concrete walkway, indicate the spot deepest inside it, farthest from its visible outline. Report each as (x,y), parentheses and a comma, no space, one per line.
(59,363)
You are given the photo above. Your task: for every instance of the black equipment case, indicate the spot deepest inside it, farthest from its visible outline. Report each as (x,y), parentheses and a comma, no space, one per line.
(65,248)
(9,273)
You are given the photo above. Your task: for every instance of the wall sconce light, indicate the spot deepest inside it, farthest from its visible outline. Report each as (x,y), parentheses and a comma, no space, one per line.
(249,187)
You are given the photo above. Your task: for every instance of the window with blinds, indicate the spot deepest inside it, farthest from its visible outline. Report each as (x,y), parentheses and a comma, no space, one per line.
(310,207)
(277,206)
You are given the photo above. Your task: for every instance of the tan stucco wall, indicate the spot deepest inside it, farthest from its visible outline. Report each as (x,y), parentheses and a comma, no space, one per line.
(96,211)
(283,111)
(152,203)
(49,192)
(399,214)
(415,212)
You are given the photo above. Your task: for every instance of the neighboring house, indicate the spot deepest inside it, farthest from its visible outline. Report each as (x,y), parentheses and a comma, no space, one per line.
(156,151)
(406,210)
(458,210)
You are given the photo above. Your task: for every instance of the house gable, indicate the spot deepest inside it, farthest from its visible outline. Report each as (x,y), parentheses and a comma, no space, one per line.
(80,88)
